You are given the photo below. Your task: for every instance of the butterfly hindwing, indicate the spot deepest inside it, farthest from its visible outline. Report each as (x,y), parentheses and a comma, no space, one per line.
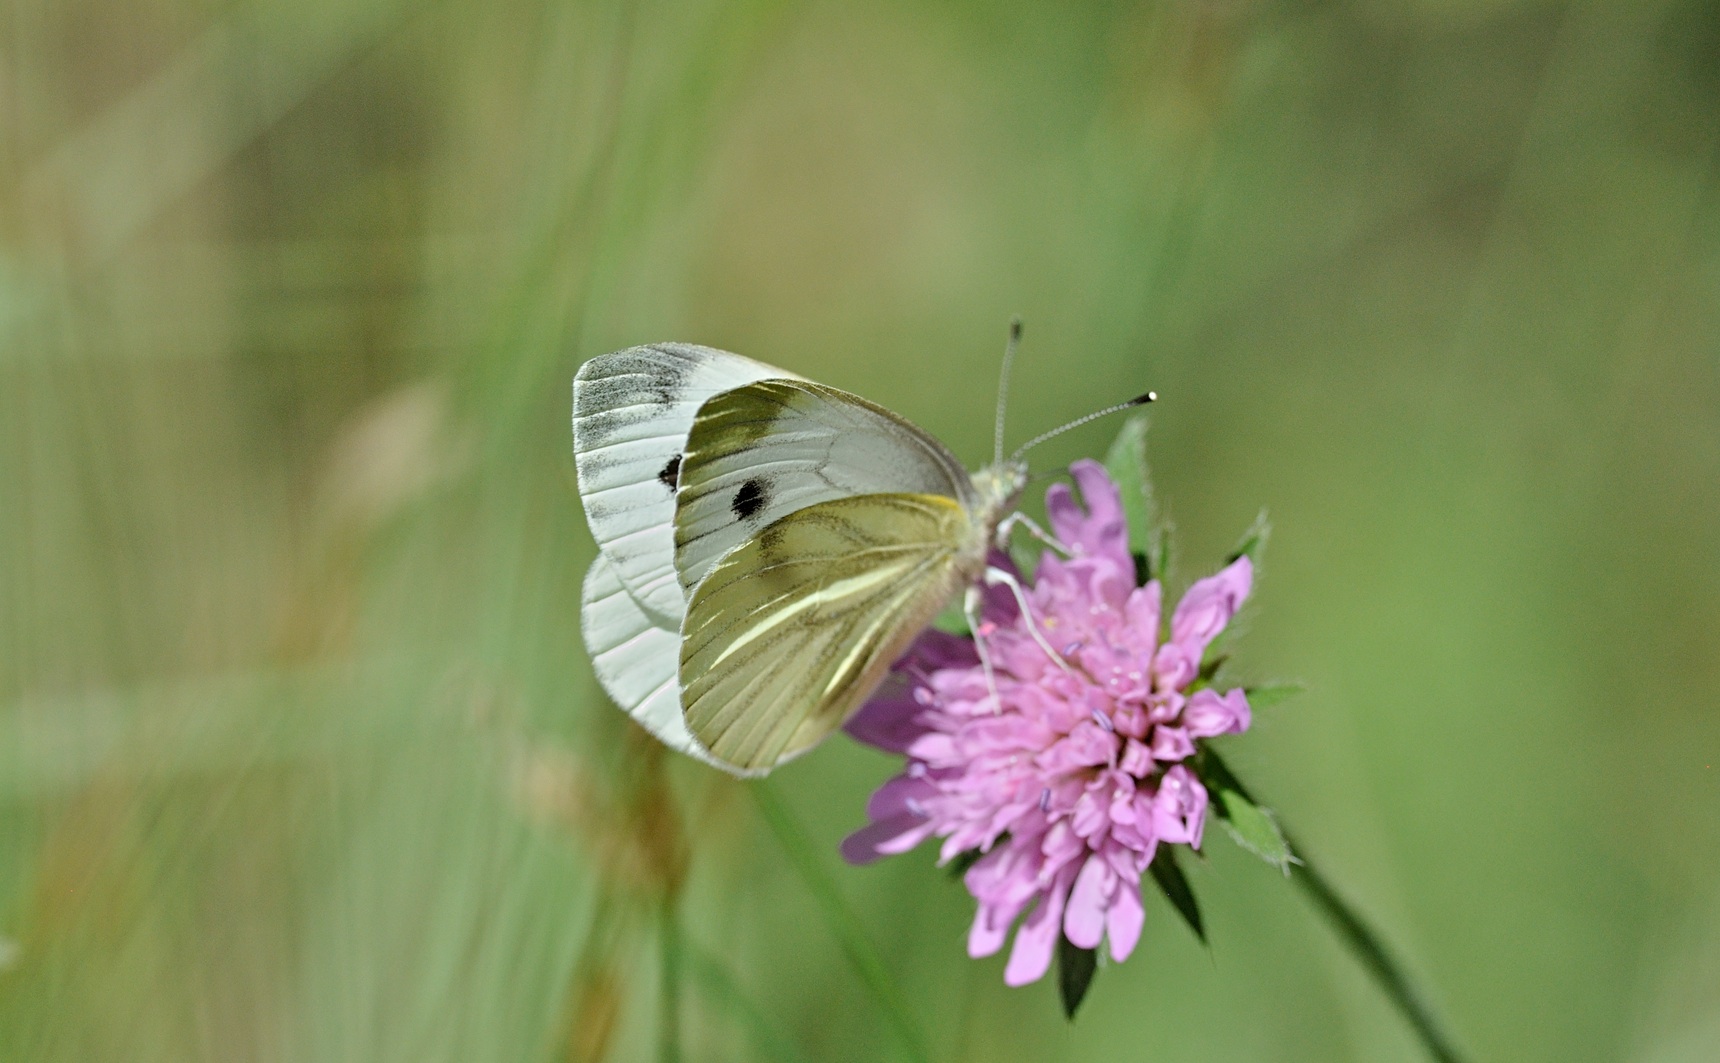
(632,411)
(791,629)
(766,449)
(635,660)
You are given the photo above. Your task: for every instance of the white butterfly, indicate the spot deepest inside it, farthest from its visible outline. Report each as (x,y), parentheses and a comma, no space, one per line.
(768,546)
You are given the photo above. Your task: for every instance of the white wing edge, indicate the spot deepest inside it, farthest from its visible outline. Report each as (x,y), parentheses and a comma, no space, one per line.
(637,661)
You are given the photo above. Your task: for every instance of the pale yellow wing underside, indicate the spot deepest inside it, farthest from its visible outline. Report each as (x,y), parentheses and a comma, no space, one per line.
(765,449)
(793,629)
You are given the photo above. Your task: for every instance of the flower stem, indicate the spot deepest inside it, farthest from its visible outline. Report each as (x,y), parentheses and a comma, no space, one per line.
(841,920)
(1370,949)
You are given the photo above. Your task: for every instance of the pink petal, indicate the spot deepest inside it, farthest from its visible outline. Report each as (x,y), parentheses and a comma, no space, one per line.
(1166,707)
(886,837)
(1172,743)
(1208,713)
(997,602)
(1127,863)
(1037,938)
(1061,844)
(1130,719)
(1089,816)
(1179,810)
(887,722)
(1009,874)
(1087,746)
(1175,665)
(1101,530)
(903,793)
(1123,921)
(1084,921)
(934,747)
(936,649)
(1142,612)
(1209,605)
(990,927)
(1104,582)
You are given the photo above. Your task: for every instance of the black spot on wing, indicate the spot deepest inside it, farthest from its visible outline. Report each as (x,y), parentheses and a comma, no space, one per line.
(753,496)
(671,473)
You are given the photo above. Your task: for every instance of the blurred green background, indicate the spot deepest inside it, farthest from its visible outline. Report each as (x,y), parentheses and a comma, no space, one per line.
(300,756)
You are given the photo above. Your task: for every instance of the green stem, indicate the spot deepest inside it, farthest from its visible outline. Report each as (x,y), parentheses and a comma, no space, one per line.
(1370,949)
(1368,946)
(841,920)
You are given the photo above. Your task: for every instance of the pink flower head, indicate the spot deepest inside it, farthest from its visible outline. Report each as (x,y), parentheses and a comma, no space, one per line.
(1069,780)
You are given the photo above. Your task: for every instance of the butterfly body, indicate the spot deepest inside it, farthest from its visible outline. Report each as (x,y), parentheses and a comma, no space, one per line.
(768,546)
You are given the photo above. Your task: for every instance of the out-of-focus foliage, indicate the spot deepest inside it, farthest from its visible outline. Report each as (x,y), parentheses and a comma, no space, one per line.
(300,758)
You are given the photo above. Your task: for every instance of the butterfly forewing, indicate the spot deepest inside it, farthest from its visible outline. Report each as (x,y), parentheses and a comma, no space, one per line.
(789,632)
(766,449)
(632,411)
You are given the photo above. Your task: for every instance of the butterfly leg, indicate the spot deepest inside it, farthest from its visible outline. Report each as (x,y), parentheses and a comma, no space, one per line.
(1007,525)
(995,576)
(971,606)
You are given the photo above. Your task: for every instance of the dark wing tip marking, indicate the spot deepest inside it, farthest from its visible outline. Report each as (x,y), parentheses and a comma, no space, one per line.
(752,497)
(668,382)
(671,473)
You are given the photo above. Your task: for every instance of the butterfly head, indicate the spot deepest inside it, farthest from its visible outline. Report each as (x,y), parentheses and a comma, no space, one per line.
(999,488)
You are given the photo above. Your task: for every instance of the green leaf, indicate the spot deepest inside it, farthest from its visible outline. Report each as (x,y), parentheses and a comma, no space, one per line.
(1210,666)
(1251,826)
(1253,542)
(953,620)
(1161,563)
(1266,695)
(1126,463)
(1075,968)
(1255,830)
(1174,885)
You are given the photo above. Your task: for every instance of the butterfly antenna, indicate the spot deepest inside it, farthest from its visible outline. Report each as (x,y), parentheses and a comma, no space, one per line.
(1003,386)
(1138,400)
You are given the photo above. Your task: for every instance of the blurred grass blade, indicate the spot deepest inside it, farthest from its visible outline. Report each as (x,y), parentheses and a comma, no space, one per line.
(1174,885)
(1380,963)
(1362,940)
(159,140)
(1075,969)
(841,920)
(669,1013)
(720,987)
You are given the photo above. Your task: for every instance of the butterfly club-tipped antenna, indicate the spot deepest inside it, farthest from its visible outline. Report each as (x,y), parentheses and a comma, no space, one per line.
(1003,387)
(1138,400)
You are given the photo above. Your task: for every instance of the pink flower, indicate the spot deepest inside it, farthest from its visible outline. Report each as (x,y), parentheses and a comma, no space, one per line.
(1070,779)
